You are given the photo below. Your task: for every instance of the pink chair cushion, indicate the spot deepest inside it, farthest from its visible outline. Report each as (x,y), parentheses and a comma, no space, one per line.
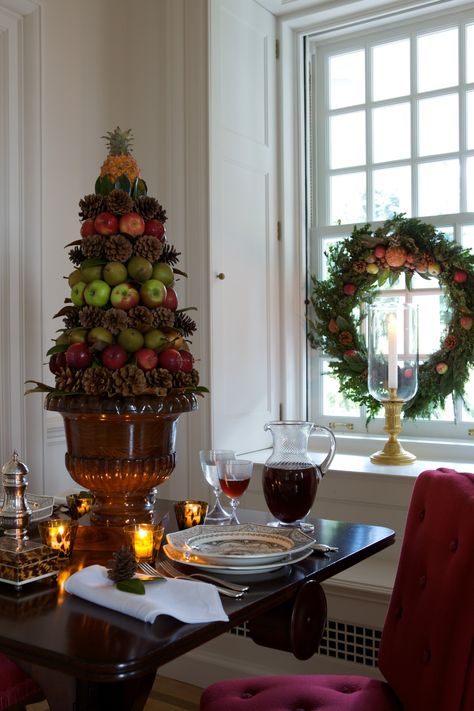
(16,687)
(300,693)
(427,647)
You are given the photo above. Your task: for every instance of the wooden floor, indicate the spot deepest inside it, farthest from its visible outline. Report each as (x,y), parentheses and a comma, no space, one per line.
(166,695)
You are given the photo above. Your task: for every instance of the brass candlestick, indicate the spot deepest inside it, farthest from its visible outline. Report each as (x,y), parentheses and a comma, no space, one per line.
(393,452)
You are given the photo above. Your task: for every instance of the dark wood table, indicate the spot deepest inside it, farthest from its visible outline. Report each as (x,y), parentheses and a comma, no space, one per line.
(87,657)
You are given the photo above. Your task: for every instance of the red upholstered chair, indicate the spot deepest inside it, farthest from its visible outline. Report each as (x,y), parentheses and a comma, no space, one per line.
(16,687)
(427,647)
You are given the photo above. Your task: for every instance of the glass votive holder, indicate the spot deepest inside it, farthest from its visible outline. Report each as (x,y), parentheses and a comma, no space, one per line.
(79,504)
(190,513)
(144,540)
(59,534)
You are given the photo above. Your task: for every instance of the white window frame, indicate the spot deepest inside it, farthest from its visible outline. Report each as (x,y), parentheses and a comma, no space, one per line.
(340,19)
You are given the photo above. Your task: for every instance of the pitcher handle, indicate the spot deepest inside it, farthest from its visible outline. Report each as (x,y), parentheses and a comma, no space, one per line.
(324,466)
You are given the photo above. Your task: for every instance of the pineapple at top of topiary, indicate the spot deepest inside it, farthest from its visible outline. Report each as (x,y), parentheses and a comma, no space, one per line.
(120,170)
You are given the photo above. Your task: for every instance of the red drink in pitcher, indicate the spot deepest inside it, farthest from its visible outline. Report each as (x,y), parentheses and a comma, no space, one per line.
(290,490)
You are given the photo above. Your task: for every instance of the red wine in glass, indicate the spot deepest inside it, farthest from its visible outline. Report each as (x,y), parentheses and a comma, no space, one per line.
(290,490)
(234,488)
(234,478)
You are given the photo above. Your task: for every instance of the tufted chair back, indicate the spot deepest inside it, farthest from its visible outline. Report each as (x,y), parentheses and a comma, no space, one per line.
(427,647)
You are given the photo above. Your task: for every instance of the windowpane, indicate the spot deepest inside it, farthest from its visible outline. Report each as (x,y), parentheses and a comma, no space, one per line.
(347,139)
(470,184)
(348,198)
(429,311)
(438,125)
(346,79)
(438,187)
(391,133)
(470,118)
(437,60)
(467,236)
(391,70)
(470,53)
(334,404)
(392,192)
(469,391)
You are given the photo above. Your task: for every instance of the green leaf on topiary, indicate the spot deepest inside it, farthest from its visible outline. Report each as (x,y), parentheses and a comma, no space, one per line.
(123,183)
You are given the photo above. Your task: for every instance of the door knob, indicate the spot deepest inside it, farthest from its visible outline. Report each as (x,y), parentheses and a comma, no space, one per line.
(220,276)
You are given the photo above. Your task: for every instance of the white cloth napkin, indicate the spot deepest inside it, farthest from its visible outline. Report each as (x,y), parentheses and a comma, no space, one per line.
(186,600)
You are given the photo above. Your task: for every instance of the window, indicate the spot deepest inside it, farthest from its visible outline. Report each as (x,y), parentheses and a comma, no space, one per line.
(391,126)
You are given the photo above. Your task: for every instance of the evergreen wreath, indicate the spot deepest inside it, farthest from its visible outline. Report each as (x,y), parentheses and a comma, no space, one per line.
(358,267)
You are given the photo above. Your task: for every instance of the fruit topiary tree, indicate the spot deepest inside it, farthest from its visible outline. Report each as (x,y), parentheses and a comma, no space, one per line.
(122,333)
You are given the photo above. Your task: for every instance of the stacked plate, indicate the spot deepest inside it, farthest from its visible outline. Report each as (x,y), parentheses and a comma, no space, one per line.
(243,548)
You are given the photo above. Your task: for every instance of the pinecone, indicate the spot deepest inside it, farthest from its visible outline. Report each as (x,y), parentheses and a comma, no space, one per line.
(70,381)
(122,566)
(119,202)
(140,318)
(91,316)
(129,380)
(194,377)
(115,320)
(90,206)
(70,315)
(159,378)
(184,323)
(148,207)
(93,246)
(169,254)
(162,317)
(182,380)
(98,381)
(148,247)
(117,248)
(76,256)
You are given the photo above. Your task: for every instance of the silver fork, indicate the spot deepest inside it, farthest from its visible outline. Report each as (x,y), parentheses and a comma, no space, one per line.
(149,570)
(169,567)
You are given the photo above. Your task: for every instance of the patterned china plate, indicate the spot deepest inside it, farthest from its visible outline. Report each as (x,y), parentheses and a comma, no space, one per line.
(198,564)
(240,545)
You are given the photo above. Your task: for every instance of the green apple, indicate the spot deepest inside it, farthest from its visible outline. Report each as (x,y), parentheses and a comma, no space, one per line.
(155,339)
(114,273)
(74,278)
(139,268)
(91,273)
(77,335)
(163,272)
(77,293)
(62,340)
(130,339)
(153,293)
(97,293)
(98,335)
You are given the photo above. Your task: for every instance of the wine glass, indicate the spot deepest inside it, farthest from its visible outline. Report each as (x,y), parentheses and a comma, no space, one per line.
(209,458)
(234,478)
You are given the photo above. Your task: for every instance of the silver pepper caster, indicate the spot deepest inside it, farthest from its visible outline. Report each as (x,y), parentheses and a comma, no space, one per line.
(15,513)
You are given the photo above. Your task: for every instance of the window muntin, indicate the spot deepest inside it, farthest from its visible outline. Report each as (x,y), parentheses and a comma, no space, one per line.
(393,121)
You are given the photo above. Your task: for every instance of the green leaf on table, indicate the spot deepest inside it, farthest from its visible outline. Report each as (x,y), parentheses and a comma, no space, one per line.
(132,585)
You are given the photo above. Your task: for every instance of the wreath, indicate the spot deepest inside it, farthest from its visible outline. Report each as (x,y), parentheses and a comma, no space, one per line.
(358,267)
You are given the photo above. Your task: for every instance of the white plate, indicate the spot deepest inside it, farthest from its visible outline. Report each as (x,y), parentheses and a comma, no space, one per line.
(242,545)
(41,506)
(198,564)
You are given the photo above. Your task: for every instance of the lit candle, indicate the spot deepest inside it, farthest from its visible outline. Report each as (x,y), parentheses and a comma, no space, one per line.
(143,543)
(392,352)
(59,535)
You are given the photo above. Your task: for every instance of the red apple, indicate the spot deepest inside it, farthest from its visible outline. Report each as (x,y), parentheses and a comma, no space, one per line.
(155,228)
(124,296)
(408,373)
(349,289)
(88,228)
(332,326)
(442,368)
(379,251)
(460,276)
(171,360)
(114,356)
(78,356)
(350,354)
(106,224)
(153,293)
(132,224)
(57,361)
(171,299)
(188,361)
(465,322)
(146,358)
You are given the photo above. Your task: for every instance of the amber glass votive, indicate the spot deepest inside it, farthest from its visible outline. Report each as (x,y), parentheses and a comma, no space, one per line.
(59,534)
(79,505)
(145,540)
(190,513)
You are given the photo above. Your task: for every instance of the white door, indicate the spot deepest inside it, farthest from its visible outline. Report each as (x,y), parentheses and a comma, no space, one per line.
(243,239)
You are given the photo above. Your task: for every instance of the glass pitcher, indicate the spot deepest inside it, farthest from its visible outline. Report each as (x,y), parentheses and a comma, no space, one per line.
(290,477)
